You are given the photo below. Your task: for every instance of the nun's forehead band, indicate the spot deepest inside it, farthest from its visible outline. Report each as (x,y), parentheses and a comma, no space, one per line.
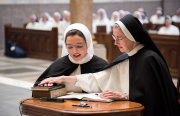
(125,31)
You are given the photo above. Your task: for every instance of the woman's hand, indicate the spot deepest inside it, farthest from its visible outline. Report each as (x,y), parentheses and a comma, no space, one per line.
(114,95)
(49,81)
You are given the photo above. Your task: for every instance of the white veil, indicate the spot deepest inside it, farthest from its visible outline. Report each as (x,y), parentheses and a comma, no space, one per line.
(112,21)
(86,34)
(105,21)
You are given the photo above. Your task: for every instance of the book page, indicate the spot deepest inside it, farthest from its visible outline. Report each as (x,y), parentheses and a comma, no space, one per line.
(88,97)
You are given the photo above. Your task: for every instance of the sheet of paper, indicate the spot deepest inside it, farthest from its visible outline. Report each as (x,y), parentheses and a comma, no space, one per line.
(92,96)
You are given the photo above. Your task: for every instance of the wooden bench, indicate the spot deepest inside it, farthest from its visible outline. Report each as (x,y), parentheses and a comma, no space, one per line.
(103,38)
(36,43)
(169,46)
(176,24)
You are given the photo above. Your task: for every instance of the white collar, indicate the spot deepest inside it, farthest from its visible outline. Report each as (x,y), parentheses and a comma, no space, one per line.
(135,50)
(87,58)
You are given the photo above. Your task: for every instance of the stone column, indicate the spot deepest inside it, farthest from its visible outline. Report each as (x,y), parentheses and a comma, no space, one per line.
(81,12)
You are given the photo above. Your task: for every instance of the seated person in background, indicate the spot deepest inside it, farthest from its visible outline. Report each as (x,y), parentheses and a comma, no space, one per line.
(57,19)
(57,23)
(158,18)
(94,30)
(144,17)
(115,17)
(139,75)
(64,13)
(141,10)
(63,25)
(34,22)
(153,16)
(49,17)
(121,13)
(45,24)
(126,13)
(176,18)
(168,29)
(103,20)
(77,57)
(138,15)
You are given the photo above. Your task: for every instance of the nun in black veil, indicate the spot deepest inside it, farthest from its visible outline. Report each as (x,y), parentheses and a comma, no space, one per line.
(139,75)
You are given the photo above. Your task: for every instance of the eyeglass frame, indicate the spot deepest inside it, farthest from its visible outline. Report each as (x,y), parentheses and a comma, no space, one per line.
(118,39)
(75,46)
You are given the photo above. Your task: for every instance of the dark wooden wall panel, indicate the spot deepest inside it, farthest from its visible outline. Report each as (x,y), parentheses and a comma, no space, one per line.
(36,43)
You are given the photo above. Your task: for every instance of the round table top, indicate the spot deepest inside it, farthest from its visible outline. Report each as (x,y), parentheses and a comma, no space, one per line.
(97,107)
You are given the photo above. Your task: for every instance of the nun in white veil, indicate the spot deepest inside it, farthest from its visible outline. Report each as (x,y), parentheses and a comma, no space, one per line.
(121,13)
(127,12)
(45,23)
(176,18)
(33,24)
(57,19)
(168,29)
(138,15)
(103,20)
(115,17)
(49,17)
(77,57)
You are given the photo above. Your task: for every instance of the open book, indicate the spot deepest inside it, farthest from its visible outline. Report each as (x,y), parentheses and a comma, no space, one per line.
(86,97)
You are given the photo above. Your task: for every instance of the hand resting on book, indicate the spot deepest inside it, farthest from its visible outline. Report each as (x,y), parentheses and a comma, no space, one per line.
(49,81)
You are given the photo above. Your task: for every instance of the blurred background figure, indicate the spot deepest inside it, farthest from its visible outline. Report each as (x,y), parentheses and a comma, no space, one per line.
(159,8)
(57,23)
(64,13)
(121,13)
(144,17)
(114,17)
(63,25)
(176,18)
(141,10)
(168,29)
(57,19)
(127,12)
(45,24)
(49,17)
(34,22)
(158,18)
(94,17)
(138,15)
(103,20)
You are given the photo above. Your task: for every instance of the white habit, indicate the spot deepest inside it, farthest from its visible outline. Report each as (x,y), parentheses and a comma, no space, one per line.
(31,25)
(115,78)
(171,30)
(155,20)
(103,22)
(45,25)
(176,19)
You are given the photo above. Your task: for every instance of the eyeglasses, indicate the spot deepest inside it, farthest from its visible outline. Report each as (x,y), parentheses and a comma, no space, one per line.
(77,46)
(118,39)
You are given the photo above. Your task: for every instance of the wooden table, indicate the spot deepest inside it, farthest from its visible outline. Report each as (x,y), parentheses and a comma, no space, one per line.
(117,108)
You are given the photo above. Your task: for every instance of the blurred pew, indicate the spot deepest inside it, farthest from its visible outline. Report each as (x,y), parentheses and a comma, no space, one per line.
(36,43)
(169,46)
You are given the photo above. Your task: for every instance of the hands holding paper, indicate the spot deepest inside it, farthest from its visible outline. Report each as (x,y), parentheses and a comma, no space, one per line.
(49,81)
(114,95)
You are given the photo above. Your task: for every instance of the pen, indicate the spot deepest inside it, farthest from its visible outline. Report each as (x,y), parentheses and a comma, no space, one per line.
(82,106)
